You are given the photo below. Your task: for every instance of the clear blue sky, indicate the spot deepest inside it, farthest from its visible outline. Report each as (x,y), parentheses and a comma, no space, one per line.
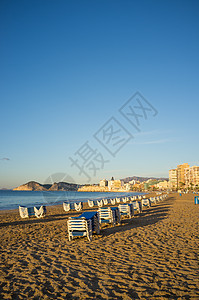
(66,68)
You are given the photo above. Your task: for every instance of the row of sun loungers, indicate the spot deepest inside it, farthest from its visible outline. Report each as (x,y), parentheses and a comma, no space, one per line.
(99,203)
(86,223)
(135,205)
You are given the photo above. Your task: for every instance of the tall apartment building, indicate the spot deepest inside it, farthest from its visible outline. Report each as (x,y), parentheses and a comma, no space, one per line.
(184,176)
(192,176)
(114,184)
(181,174)
(173,182)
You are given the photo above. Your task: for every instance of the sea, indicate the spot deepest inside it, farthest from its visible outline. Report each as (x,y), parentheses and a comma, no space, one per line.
(13,199)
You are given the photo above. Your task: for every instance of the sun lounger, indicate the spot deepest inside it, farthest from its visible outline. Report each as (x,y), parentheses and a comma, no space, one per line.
(126,210)
(107,215)
(66,206)
(157,199)
(92,203)
(124,199)
(137,206)
(146,203)
(118,200)
(117,214)
(93,216)
(100,203)
(23,211)
(153,200)
(113,201)
(79,227)
(105,201)
(78,206)
(40,211)
(84,225)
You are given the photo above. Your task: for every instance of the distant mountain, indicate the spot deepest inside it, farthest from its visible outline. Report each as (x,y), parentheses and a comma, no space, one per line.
(142,179)
(63,186)
(35,186)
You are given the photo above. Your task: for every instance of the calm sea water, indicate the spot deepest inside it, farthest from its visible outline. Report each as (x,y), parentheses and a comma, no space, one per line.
(12,199)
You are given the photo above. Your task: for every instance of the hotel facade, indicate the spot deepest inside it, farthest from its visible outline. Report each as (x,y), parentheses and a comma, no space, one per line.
(184,176)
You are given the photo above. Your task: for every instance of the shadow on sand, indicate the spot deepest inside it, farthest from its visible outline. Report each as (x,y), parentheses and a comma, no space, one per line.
(149,216)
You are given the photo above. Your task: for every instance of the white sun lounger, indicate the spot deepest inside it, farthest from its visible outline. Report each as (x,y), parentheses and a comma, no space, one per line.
(40,211)
(107,215)
(113,201)
(100,203)
(66,206)
(153,200)
(137,205)
(146,203)
(106,201)
(23,211)
(118,200)
(78,206)
(126,210)
(79,227)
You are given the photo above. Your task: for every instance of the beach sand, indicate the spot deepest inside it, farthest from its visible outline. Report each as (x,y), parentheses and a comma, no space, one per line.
(152,256)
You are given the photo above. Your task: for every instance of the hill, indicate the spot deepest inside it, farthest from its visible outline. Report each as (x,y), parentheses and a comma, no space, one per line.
(142,179)
(35,186)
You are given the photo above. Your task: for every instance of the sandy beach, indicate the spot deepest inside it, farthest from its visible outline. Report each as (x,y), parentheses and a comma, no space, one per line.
(151,256)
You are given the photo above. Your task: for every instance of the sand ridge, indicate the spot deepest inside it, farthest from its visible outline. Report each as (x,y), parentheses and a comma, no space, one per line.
(151,256)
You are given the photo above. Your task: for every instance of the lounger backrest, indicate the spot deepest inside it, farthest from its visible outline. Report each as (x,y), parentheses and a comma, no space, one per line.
(105,213)
(77,224)
(135,204)
(100,203)
(90,203)
(66,206)
(113,201)
(118,200)
(78,206)
(123,208)
(105,201)
(23,211)
(39,211)
(145,202)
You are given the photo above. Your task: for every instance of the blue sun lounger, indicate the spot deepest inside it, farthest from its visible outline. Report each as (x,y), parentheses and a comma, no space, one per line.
(84,225)
(93,216)
(137,206)
(109,215)
(126,209)
(146,203)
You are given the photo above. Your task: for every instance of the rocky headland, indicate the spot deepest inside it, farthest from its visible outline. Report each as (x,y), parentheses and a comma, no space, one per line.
(35,186)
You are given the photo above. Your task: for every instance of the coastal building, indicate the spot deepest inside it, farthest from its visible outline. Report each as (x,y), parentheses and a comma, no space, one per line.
(162,185)
(184,176)
(181,175)
(132,182)
(173,182)
(150,183)
(127,186)
(103,183)
(114,184)
(192,177)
